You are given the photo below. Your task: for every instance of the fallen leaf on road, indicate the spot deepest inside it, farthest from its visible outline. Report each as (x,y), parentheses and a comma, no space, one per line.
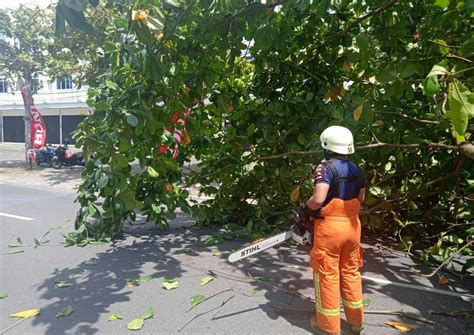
(115,316)
(366,302)
(197,299)
(184,251)
(138,281)
(62,284)
(26,314)
(64,226)
(443,280)
(3,295)
(91,262)
(12,252)
(170,284)
(403,327)
(207,279)
(214,239)
(66,311)
(217,254)
(255,290)
(149,313)
(135,324)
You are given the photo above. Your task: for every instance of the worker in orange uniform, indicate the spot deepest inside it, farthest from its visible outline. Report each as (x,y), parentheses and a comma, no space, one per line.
(336,255)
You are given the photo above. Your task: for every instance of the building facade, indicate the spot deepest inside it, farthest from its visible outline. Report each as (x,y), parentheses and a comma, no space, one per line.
(62,105)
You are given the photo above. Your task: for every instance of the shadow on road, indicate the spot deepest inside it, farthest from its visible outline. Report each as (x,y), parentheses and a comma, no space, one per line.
(283,284)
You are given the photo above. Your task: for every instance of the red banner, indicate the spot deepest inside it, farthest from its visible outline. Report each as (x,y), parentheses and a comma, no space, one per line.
(38,127)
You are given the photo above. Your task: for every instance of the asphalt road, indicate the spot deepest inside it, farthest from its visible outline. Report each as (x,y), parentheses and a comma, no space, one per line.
(268,294)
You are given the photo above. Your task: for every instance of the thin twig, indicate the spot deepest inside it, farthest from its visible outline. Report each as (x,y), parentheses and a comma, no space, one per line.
(402,314)
(449,259)
(466,313)
(410,118)
(201,314)
(369,146)
(212,296)
(13,325)
(248,8)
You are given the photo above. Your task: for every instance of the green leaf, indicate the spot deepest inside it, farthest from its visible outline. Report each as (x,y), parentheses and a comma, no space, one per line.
(408,69)
(3,295)
(468,265)
(65,312)
(152,172)
(214,239)
(59,22)
(143,279)
(149,313)
(459,106)
(102,106)
(103,181)
(170,284)
(363,42)
(110,84)
(37,242)
(442,3)
(135,324)
(301,139)
(62,284)
(366,302)
(197,299)
(217,254)
(206,280)
(255,290)
(76,19)
(184,251)
(132,120)
(64,226)
(431,86)
(387,75)
(443,47)
(115,316)
(91,262)
(437,70)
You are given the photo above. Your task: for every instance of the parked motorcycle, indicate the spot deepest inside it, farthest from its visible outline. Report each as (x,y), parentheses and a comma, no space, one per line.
(44,155)
(63,156)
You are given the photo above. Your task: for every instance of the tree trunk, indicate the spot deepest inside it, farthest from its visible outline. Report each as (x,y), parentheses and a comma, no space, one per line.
(27,117)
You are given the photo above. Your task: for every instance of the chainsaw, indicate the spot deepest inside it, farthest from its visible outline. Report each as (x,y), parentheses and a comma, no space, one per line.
(301,232)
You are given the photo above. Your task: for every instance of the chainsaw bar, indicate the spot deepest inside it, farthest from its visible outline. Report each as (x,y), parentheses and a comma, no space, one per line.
(260,246)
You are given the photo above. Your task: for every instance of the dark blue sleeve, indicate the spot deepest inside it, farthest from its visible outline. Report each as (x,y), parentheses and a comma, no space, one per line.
(323,174)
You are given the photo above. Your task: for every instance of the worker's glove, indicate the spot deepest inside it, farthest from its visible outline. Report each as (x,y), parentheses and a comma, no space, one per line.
(304,215)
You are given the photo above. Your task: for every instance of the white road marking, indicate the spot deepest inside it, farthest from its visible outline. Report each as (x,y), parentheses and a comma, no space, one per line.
(16,216)
(464,296)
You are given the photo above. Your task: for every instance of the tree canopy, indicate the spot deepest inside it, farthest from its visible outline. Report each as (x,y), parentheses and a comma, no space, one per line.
(246,88)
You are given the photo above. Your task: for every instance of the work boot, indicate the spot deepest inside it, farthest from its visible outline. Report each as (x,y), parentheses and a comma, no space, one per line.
(318,331)
(357,330)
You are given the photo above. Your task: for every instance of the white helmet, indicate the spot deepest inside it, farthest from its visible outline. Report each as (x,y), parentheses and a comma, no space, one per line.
(338,139)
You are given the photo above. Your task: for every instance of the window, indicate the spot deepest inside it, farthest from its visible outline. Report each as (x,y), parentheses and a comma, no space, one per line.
(64,83)
(3,85)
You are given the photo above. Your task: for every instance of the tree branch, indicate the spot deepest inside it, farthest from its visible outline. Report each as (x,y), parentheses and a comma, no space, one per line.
(248,8)
(370,146)
(411,118)
(449,259)
(341,33)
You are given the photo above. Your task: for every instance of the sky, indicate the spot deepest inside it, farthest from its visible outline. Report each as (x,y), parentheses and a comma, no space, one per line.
(16,3)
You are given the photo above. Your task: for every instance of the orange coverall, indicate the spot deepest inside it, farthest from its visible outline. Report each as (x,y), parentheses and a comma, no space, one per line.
(336,257)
